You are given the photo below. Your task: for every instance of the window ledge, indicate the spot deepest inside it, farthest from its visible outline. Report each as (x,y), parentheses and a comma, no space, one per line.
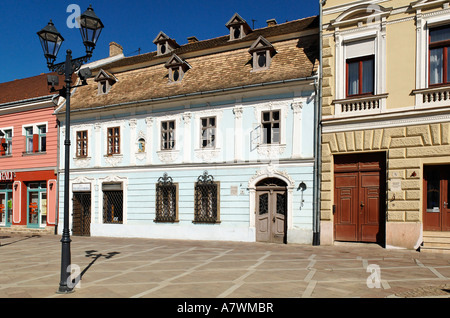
(360,105)
(34,153)
(6,156)
(207,154)
(271,151)
(433,96)
(168,156)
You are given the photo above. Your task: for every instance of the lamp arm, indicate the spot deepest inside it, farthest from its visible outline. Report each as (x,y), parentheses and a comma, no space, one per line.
(60,68)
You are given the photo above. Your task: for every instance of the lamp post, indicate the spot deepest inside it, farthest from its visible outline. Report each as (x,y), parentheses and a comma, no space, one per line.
(51,40)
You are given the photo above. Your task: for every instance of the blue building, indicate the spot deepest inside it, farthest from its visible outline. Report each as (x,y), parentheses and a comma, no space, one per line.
(209,140)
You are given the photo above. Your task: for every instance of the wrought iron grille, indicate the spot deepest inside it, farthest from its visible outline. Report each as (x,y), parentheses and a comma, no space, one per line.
(112,206)
(166,200)
(81,214)
(206,199)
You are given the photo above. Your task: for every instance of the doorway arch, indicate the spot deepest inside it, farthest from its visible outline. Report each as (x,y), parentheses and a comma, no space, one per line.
(282,185)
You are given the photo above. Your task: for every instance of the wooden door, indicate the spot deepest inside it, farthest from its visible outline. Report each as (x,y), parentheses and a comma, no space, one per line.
(271,208)
(436,212)
(358,199)
(81,221)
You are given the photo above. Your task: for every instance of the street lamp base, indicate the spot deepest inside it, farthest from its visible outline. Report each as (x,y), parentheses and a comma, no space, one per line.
(65,290)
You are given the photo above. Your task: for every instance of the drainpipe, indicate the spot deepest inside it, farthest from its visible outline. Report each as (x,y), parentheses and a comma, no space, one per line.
(318,137)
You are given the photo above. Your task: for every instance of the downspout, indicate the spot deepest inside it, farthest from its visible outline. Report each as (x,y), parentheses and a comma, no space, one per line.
(318,136)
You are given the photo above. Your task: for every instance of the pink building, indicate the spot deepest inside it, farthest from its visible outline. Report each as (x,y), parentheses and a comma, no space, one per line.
(28,155)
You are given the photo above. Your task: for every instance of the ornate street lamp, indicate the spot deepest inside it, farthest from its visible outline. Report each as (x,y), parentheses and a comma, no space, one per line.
(51,40)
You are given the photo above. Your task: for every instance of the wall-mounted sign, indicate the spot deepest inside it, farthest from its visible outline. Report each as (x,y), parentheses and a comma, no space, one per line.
(81,187)
(7,175)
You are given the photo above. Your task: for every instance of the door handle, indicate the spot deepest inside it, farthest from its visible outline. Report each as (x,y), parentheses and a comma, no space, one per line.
(445,204)
(362,205)
(273,220)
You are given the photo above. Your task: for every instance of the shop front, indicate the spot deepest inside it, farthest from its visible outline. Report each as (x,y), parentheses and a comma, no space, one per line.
(28,199)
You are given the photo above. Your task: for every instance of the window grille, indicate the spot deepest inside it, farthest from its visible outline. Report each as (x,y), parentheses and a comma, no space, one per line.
(206,199)
(166,200)
(112,206)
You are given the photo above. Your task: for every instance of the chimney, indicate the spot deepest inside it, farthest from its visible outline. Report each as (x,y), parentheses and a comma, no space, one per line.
(271,22)
(192,39)
(115,49)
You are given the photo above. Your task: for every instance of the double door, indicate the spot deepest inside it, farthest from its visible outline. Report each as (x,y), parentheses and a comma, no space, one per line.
(271,208)
(436,210)
(359,199)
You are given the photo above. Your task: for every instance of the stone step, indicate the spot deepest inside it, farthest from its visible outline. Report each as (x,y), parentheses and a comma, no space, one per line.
(436,241)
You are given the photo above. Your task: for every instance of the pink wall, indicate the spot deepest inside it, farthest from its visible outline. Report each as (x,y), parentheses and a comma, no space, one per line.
(19,160)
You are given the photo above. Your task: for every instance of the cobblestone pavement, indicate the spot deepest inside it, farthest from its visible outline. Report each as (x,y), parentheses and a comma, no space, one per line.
(146,268)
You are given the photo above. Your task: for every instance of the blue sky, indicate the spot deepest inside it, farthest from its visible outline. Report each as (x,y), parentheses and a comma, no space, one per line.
(133,24)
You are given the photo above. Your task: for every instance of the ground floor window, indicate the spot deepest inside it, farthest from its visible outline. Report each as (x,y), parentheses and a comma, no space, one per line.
(37,204)
(166,200)
(6,204)
(206,199)
(112,203)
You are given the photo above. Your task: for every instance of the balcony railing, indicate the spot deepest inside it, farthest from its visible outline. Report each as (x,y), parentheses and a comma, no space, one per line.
(435,96)
(361,105)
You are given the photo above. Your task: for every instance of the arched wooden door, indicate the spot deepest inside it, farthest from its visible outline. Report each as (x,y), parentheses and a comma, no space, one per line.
(271,211)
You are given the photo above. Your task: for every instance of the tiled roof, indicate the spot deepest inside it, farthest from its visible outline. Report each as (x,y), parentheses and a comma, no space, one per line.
(27,88)
(295,58)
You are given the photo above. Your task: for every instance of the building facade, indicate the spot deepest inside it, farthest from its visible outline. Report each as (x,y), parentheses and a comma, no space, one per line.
(209,140)
(386,122)
(28,155)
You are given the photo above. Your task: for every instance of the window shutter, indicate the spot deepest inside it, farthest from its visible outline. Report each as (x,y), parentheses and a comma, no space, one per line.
(35,143)
(2,149)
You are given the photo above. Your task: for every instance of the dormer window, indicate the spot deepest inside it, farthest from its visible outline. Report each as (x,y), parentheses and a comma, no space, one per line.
(177,68)
(105,81)
(262,53)
(238,27)
(164,44)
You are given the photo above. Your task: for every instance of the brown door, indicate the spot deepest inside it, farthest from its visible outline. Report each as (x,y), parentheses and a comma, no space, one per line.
(358,198)
(271,215)
(81,214)
(436,215)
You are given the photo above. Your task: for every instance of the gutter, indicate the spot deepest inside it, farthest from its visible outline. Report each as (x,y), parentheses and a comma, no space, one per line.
(222,90)
(318,138)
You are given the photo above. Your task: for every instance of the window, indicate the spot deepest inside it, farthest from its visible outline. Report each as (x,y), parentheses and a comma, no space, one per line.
(113,140)
(439,58)
(29,140)
(270,123)
(82,143)
(6,204)
(208,132)
(112,203)
(8,141)
(360,76)
(168,135)
(166,200)
(42,139)
(37,204)
(262,52)
(206,199)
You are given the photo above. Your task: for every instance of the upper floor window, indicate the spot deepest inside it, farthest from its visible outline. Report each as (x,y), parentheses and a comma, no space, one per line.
(113,140)
(168,135)
(29,139)
(42,138)
(6,142)
(208,133)
(82,143)
(439,44)
(262,52)
(270,123)
(360,76)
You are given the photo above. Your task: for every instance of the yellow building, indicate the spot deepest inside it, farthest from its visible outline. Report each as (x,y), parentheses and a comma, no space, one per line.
(385,151)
